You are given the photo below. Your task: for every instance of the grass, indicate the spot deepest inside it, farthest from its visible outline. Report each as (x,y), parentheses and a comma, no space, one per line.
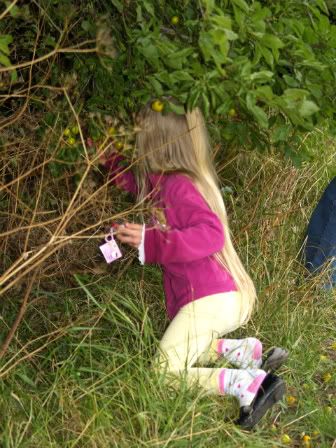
(79,372)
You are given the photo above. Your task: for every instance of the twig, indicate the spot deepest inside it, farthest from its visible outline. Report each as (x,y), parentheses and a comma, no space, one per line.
(19,316)
(9,7)
(47,56)
(300,418)
(18,114)
(27,173)
(30,226)
(58,334)
(37,200)
(79,126)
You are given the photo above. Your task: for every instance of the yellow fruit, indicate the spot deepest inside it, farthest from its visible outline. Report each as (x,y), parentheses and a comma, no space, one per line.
(157,106)
(75,130)
(306,441)
(291,401)
(71,141)
(174,20)
(67,132)
(323,358)
(327,377)
(316,433)
(111,131)
(232,112)
(286,439)
(119,145)
(333,345)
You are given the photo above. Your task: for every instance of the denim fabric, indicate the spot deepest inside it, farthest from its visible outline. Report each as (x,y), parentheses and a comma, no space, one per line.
(321,235)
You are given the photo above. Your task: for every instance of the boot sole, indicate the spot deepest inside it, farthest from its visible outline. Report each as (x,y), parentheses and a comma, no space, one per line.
(271,391)
(275,359)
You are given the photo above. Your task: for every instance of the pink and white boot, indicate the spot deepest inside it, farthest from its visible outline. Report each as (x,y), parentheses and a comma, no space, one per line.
(243,384)
(247,353)
(255,390)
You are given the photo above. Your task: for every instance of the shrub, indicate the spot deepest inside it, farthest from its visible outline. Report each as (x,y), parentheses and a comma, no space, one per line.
(262,71)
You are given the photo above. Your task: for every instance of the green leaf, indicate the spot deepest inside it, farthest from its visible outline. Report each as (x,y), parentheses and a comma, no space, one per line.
(5,40)
(50,40)
(263,75)
(257,111)
(223,108)
(272,41)
(148,7)
(206,46)
(219,38)
(206,104)
(209,5)
(156,86)
(14,11)
(295,94)
(222,21)
(4,60)
(181,76)
(241,4)
(308,108)
(26,379)
(163,77)
(267,55)
(261,116)
(182,54)
(322,5)
(240,20)
(86,25)
(14,76)
(193,98)
(151,53)
(139,14)
(290,81)
(118,4)
(281,133)
(177,108)
(264,92)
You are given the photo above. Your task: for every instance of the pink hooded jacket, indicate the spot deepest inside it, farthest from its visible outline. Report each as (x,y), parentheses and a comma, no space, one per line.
(185,248)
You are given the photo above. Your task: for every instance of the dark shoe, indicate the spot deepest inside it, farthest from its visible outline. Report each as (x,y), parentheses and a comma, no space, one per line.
(272,389)
(274,359)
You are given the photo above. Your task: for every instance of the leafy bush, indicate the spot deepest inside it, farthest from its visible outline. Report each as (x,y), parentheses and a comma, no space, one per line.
(262,71)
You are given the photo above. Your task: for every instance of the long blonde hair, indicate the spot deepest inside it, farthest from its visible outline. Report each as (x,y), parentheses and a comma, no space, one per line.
(179,143)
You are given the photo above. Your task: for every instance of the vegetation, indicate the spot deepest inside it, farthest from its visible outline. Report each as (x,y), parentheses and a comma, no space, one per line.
(77,336)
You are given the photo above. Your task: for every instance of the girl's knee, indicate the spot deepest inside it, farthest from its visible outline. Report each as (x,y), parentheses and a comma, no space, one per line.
(163,363)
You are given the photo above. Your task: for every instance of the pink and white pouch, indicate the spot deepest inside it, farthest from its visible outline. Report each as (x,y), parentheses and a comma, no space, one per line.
(110,249)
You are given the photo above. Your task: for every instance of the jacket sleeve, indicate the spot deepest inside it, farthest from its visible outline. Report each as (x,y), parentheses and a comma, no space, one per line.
(199,235)
(120,175)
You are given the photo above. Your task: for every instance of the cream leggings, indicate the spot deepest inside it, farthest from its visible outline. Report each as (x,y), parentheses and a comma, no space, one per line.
(192,332)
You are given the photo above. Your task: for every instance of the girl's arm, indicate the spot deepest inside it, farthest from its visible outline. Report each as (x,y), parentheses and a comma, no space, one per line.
(200,234)
(124,180)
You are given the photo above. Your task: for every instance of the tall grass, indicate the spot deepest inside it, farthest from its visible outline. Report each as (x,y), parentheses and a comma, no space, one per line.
(78,373)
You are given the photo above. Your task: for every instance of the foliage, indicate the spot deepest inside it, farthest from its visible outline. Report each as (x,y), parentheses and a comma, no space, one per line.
(262,71)
(75,372)
(78,373)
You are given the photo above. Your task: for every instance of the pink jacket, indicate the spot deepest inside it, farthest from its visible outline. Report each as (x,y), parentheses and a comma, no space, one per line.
(185,248)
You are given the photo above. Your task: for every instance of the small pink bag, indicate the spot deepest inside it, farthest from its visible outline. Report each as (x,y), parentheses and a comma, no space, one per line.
(110,249)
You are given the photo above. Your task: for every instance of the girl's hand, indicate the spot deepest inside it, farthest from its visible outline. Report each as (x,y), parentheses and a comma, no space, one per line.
(129,233)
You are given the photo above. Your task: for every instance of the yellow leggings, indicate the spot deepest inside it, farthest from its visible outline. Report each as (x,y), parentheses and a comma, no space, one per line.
(191,336)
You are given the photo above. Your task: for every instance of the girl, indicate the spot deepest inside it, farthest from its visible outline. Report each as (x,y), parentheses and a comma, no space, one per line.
(208,292)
